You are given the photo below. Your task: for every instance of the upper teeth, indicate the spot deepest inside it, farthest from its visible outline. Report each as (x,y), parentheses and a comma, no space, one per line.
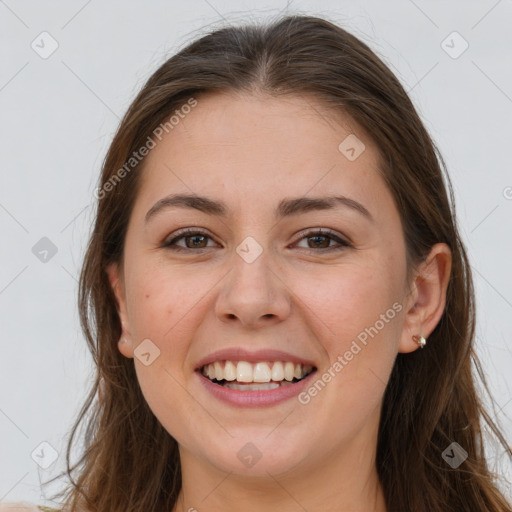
(243,371)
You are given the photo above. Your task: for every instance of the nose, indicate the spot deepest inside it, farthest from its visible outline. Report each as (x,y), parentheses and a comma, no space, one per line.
(253,294)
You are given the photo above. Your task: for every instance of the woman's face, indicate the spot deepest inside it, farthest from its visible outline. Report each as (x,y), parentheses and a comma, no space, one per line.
(260,281)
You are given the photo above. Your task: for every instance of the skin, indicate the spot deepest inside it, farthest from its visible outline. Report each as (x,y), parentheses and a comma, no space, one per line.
(252,151)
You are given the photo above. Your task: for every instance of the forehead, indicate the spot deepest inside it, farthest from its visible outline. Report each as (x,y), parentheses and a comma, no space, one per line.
(270,126)
(257,147)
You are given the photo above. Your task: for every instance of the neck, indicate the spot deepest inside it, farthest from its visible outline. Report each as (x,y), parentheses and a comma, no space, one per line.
(344,481)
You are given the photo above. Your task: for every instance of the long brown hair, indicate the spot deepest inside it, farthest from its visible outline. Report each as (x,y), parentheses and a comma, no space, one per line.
(130,463)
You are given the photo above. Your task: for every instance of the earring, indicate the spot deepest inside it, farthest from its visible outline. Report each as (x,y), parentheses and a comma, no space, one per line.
(420,340)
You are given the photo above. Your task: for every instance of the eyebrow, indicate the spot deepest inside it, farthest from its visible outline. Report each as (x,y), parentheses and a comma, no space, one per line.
(286,208)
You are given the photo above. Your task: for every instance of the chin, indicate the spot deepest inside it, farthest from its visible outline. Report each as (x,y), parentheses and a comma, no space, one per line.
(253,456)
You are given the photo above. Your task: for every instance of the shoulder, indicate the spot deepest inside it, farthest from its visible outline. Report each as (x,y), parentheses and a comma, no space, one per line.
(19,507)
(24,507)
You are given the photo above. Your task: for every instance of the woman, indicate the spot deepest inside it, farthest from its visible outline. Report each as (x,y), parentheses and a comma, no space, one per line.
(276,294)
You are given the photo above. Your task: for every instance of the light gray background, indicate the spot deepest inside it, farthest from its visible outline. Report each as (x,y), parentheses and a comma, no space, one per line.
(58,116)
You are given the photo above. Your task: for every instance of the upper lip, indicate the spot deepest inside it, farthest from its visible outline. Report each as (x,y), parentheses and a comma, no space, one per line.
(240,354)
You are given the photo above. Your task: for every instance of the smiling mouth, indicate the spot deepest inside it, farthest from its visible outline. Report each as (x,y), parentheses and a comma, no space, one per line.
(246,376)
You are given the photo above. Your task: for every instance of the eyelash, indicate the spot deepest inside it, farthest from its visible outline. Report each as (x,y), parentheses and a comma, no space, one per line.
(187,232)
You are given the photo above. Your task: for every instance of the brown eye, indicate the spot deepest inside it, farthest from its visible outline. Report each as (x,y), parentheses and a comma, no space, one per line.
(193,240)
(196,241)
(322,240)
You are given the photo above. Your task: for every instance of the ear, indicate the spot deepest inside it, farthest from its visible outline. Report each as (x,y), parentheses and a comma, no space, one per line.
(116,279)
(427,297)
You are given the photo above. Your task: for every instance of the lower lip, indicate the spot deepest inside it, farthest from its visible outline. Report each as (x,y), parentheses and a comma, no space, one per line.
(255,398)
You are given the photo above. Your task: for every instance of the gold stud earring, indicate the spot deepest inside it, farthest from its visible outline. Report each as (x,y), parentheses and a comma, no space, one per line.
(420,340)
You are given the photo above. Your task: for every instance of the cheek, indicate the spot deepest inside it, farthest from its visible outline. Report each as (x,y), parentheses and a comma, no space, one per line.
(157,300)
(346,301)
(357,318)
(158,312)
